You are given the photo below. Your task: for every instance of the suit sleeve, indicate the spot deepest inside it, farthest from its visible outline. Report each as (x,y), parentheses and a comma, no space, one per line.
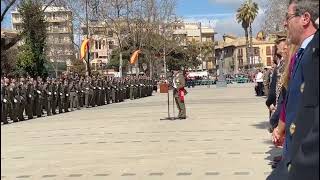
(272,91)
(306,161)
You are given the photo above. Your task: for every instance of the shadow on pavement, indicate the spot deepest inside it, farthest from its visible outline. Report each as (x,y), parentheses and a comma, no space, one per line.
(261,125)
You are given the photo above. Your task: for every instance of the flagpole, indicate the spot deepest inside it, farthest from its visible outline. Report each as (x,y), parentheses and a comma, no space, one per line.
(88,55)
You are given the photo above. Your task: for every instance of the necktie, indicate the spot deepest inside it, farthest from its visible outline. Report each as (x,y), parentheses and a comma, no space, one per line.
(296,59)
(299,53)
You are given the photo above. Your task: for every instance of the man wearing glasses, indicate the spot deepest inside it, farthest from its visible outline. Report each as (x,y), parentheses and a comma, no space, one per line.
(301,149)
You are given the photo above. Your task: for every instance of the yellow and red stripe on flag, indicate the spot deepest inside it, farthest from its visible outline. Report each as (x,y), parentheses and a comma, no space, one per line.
(134,56)
(84,47)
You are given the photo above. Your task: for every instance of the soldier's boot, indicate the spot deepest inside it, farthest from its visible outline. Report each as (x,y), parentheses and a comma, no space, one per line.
(21,110)
(60,107)
(13,115)
(4,114)
(77,102)
(29,111)
(54,107)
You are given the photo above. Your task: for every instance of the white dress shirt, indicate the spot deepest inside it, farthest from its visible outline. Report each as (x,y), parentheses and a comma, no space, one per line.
(259,77)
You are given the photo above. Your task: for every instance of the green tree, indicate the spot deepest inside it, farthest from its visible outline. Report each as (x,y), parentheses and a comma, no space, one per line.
(208,52)
(115,55)
(32,56)
(26,59)
(246,14)
(8,60)
(79,67)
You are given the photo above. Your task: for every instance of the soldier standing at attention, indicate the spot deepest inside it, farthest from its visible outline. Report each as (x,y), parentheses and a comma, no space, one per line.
(108,90)
(12,93)
(66,96)
(178,92)
(54,96)
(93,92)
(48,96)
(37,98)
(87,93)
(30,99)
(81,92)
(22,98)
(72,90)
(131,84)
(4,100)
(61,96)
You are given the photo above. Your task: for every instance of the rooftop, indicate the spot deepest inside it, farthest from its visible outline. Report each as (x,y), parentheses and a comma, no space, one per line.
(48,9)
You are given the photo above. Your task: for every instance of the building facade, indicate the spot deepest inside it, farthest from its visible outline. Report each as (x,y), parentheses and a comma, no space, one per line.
(59,44)
(235,57)
(187,32)
(103,40)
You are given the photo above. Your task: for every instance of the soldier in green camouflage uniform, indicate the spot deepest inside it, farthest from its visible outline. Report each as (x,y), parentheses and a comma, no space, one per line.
(54,96)
(4,100)
(13,106)
(61,96)
(22,99)
(66,101)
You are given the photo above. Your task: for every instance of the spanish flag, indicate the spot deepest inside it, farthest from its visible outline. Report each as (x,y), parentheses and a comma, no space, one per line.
(134,56)
(84,47)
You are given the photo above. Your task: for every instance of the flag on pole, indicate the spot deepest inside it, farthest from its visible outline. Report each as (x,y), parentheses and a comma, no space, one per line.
(134,56)
(84,47)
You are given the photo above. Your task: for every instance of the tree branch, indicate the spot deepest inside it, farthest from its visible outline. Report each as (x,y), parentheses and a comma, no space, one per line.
(14,41)
(48,5)
(7,9)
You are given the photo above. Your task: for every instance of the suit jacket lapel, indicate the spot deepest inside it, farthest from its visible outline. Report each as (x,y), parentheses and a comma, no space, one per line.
(298,63)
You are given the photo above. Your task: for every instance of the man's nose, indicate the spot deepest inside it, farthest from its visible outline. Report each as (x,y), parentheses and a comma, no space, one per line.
(285,24)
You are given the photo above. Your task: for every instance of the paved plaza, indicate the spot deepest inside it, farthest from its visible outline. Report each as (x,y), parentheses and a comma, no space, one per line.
(223,138)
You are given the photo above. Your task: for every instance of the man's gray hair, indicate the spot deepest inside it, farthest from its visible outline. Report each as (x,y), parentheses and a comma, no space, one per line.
(310,6)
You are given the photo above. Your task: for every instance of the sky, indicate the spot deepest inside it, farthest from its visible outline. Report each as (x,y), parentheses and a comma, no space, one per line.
(220,14)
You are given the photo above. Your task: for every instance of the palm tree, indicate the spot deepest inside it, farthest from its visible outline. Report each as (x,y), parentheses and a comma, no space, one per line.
(246,14)
(208,51)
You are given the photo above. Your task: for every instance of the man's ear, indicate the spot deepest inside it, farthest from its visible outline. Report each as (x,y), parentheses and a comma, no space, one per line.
(306,18)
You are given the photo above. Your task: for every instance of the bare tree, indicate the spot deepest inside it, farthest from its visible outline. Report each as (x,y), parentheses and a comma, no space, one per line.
(274,15)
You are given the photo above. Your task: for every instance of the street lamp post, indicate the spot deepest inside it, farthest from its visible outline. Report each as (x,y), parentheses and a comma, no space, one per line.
(221,79)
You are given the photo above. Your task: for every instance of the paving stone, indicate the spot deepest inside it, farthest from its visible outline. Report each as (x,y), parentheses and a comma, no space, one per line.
(128,141)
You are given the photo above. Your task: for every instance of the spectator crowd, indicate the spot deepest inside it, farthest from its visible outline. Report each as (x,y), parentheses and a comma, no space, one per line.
(291,88)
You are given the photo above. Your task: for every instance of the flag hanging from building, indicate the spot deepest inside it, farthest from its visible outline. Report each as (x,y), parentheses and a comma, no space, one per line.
(134,56)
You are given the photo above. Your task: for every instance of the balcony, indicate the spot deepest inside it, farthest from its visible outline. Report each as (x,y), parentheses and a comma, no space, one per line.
(58,20)
(16,20)
(58,31)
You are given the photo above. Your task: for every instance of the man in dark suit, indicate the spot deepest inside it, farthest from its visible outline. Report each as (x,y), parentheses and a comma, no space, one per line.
(301,160)
(304,162)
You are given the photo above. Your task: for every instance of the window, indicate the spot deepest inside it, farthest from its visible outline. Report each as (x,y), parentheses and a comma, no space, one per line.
(110,33)
(256,52)
(268,61)
(110,44)
(273,50)
(240,62)
(96,44)
(53,16)
(66,39)
(99,44)
(103,44)
(268,51)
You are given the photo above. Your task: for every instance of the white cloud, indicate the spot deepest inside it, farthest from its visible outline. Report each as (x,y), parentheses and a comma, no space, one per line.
(231,26)
(234,3)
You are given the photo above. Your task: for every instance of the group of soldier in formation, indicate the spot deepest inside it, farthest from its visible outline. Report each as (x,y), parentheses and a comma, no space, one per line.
(29,97)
